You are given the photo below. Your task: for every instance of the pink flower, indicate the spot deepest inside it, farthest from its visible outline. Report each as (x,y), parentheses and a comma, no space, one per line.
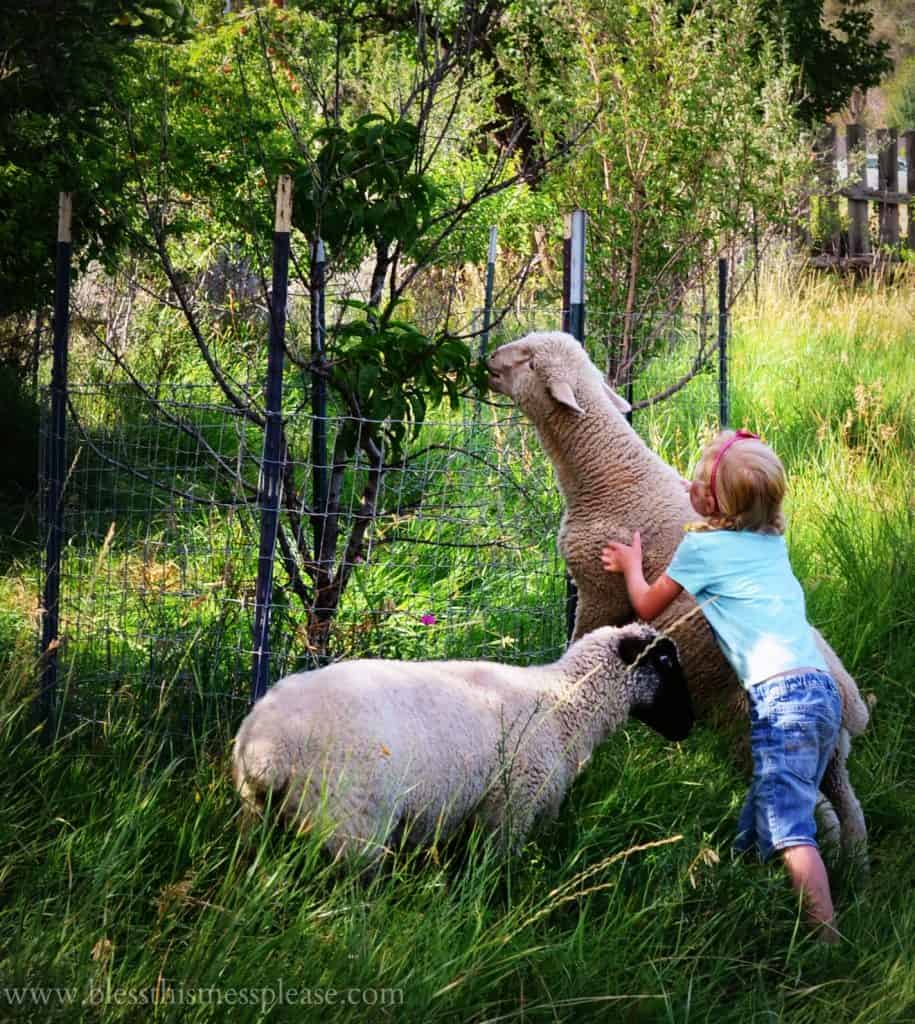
(428,619)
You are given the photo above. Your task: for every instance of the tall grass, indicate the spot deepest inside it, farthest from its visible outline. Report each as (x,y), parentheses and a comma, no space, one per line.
(129,889)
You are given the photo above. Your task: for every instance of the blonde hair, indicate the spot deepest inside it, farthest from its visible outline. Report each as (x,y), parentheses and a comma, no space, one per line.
(750,484)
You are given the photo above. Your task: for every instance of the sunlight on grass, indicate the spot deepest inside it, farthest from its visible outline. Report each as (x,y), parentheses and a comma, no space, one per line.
(124,868)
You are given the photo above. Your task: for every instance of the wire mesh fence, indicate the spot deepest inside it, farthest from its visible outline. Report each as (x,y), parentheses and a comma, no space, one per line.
(455,557)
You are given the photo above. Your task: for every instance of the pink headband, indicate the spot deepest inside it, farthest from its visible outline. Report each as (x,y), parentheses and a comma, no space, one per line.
(741,435)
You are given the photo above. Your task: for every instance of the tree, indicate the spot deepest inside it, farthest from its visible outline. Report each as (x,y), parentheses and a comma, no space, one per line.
(59,62)
(271,91)
(833,57)
(901,97)
(833,50)
(694,147)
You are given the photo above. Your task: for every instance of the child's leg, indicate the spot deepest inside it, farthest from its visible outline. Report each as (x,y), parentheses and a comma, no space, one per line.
(794,723)
(808,876)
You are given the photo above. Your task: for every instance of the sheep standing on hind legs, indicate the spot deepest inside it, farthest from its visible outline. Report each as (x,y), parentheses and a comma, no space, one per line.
(371,753)
(612,484)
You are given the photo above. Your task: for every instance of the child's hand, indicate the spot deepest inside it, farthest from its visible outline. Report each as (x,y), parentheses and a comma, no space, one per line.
(686,484)
(618,557)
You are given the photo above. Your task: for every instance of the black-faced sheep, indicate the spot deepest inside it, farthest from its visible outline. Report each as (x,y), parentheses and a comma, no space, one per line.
(373,752)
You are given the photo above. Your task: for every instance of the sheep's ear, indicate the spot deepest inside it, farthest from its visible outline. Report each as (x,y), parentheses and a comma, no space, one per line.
(563,393)
(631,647)
(617,400)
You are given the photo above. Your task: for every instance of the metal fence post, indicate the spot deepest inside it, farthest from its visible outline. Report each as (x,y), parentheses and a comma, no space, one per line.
(319,463)
(274,455)
(573,322)
(576,306)
(490,283)
(723,405)
(56,459)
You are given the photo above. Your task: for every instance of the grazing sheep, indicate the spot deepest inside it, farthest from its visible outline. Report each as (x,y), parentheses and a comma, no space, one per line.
(614,484)
(371,752)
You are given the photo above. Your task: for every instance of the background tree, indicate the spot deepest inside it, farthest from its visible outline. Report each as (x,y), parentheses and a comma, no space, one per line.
(830,42)
(694,148)
(59,62)
(386,176)
(835,54)
(901,97)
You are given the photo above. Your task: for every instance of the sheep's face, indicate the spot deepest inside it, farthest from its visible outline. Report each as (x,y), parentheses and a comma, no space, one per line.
(511,369)
(544,371)
(658,693)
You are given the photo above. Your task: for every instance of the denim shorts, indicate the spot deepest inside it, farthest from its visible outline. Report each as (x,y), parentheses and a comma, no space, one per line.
(794,727)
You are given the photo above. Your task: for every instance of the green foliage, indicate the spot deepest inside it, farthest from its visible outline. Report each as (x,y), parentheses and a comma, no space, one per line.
(390,373)
(827,221)
(60,74)
(901,98)
(834,57)
(230,96)
(19,425)
(831,45)
(19,429)
(362,185)
(694,142)
(516,212)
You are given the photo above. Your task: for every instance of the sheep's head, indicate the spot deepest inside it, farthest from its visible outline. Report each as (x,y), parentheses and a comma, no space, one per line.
(547,369)
(657,687)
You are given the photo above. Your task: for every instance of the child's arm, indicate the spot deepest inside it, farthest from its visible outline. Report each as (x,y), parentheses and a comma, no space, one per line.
(648,600)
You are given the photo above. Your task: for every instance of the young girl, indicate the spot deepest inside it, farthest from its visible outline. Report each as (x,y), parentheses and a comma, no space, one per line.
(735,564)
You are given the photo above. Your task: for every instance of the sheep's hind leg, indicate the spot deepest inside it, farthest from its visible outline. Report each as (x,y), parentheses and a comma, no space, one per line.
(836,787)
(829,830)
(358,844)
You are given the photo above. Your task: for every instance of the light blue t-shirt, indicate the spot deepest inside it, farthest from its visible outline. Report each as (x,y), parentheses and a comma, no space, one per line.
(755,603)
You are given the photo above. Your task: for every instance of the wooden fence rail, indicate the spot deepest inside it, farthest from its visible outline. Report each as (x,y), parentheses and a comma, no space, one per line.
(878,168)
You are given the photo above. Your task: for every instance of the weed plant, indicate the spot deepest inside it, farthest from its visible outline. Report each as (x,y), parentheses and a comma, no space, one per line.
(129,892)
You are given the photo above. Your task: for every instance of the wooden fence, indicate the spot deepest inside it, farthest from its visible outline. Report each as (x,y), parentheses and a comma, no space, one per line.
(863,168)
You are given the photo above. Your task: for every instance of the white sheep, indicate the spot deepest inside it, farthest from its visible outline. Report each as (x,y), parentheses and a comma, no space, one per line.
(614,484)
(373,752)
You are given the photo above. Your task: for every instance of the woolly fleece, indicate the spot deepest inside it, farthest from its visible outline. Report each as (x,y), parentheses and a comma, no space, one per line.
(372,751)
